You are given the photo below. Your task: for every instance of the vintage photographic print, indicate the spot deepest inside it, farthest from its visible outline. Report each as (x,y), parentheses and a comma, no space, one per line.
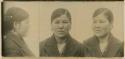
(20,29)
(83,29)
(63,29)
(63,0)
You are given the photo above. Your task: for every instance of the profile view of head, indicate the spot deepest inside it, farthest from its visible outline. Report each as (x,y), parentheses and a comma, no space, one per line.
(61,22)
(16,19)
(102,22)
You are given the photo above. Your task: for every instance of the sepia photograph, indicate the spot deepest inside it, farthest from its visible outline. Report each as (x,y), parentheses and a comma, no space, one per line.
(63,0)
(83,30)
(20,29)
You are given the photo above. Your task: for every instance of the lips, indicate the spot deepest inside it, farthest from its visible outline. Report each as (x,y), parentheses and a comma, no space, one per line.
(60,31)
(97,30)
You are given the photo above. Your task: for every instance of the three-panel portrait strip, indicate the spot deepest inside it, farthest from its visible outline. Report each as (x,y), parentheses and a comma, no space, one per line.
(84,29)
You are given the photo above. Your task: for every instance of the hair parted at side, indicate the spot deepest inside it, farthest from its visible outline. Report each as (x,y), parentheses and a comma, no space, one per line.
(106,12)
(59,12)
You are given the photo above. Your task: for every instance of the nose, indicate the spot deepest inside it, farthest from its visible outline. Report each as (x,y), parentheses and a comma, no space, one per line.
(97,25)
(61,26)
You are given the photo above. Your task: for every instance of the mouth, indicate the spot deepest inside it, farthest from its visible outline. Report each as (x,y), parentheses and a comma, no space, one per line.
(97,30)
(60,31)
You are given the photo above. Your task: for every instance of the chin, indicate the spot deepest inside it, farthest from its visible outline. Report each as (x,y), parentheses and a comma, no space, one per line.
(60,35)
(100,35)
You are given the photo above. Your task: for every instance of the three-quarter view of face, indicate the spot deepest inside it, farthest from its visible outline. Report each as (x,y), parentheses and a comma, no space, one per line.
(102,22)
(56,29)
(61,22)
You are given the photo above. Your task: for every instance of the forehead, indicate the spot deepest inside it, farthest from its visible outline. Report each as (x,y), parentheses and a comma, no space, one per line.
(62,17)
(100,17)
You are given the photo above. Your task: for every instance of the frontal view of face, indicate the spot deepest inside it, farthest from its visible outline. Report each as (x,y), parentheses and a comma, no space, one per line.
(61,43)
(61,26)
(101,25)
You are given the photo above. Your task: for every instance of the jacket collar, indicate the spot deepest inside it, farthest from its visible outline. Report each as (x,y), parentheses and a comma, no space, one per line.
(111,50)
(19,41)
(51,46)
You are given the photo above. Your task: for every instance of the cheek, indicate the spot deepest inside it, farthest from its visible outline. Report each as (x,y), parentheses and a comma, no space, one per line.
(24,27)
(94,27)
(67,27)
(106,28)
(53,27)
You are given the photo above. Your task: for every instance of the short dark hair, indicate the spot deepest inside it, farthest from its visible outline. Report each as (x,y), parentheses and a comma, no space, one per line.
(106,12)
(59,12)
(13,15)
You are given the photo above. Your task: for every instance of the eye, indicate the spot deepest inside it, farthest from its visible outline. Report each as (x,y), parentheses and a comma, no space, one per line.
(94,22)
(102,21)
(65,21)
(56,22)
(99,21)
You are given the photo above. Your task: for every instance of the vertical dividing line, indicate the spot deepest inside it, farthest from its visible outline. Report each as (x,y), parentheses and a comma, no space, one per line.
(2,18)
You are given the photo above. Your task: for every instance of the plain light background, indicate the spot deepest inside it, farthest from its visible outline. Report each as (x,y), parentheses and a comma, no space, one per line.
(81,12)
(32,38)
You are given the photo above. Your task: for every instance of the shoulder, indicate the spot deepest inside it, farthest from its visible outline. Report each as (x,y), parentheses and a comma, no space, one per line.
(44,42)
(119,45)
(89,41)
(116,41)
(75,42)
(119,42)
(11,36)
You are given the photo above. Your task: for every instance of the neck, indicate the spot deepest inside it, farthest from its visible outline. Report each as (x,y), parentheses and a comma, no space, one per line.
(16,33)
(60,40)
(104,38)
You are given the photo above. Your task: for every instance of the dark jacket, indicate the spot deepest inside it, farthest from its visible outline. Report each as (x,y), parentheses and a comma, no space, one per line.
(14,46)
(115,48)
(49,48)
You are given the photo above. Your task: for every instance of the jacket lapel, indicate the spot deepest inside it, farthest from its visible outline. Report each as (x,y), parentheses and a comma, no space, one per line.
(52,50)
(69,47)
(112,48)
(22,45)
(51,47)
(95,47)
